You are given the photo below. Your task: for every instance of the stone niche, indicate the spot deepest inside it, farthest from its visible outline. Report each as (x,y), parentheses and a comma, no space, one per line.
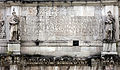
(109,48)
(14,48)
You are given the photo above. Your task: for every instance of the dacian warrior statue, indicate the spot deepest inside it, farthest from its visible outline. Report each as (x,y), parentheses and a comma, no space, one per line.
(14,21)
(110,27)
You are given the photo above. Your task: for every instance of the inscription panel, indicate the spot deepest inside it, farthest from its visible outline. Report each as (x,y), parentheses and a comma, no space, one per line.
(61,23)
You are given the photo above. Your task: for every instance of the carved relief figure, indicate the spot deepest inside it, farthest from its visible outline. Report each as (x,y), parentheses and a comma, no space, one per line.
(110,27)
(2,29)
(2,26)
(14,21)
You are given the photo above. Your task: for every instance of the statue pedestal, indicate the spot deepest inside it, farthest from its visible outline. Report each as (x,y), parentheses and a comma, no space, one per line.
(13,67)
(14,48)
(109,48)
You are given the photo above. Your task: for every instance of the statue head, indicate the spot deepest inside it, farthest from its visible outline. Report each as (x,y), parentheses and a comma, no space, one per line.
(13,13)
(109,13)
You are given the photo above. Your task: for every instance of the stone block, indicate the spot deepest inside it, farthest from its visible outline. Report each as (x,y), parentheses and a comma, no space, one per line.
(109,48)
(15,48)
(109,0)
(13,67)
(109,53)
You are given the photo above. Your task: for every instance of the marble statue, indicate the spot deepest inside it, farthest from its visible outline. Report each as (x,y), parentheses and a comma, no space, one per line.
(14,21)
(110,27)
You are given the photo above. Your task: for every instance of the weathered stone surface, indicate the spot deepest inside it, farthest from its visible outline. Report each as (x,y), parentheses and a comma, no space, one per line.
(60,51)
(15,48)
(13,67)
(61,23)
(2,24)
(3,50)
(53,24)
(65,23)
(109,47)
(63,68)
(83,23)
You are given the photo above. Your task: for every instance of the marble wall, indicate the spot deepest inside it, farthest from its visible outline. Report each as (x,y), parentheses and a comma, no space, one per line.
(82,67)
(83,23)
(65,23)
(53,24)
